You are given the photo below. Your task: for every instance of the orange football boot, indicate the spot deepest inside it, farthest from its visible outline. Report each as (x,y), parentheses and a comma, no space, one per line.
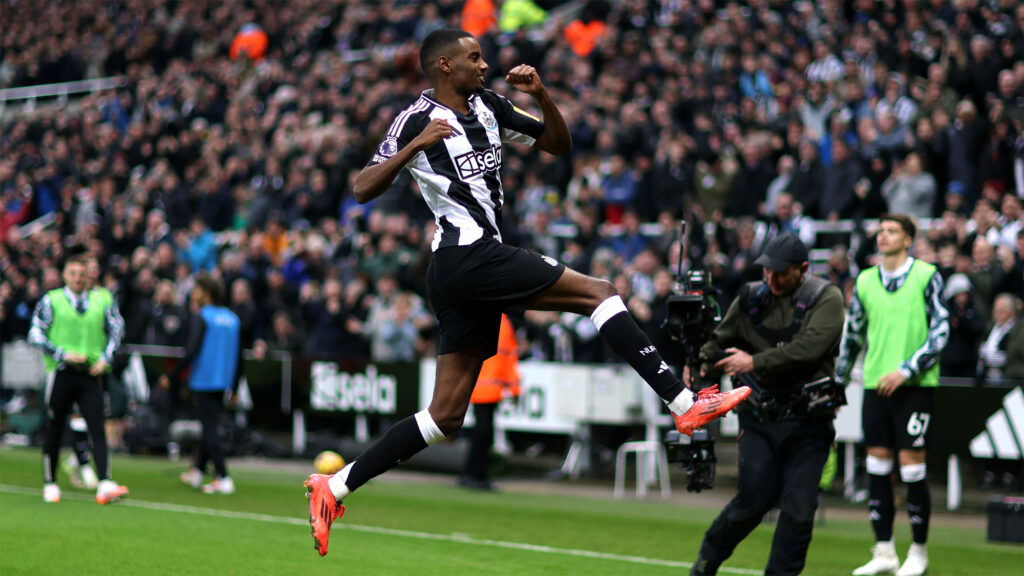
(710,404)
(324,509)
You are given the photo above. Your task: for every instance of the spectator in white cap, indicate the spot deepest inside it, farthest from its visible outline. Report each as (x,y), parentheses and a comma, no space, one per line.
(965,329)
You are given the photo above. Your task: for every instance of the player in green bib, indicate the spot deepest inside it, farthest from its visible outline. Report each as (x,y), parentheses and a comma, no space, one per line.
(898,319)
(78,330)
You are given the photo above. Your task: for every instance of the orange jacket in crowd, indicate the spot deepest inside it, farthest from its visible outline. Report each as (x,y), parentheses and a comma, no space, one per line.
(478,16)
(499,376)
(583,36)
(251,41)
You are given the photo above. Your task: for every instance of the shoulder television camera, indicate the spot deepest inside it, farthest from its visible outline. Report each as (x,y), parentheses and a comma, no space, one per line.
(693,314)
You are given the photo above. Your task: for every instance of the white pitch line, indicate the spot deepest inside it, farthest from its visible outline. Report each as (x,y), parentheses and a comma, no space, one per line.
(457,538)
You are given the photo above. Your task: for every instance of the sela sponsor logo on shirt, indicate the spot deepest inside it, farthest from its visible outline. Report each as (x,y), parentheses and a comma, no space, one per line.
(477,162)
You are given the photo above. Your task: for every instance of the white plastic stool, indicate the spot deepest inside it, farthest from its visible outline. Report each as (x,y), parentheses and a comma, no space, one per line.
(642,449)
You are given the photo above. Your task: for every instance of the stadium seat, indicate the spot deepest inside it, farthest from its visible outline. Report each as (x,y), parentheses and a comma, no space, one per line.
(642,449)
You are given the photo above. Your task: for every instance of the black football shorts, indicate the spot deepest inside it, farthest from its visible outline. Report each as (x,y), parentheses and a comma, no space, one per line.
(470,286)
(900,421)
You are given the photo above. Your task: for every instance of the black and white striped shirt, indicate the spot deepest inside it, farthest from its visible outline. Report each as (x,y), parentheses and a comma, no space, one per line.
(460,176)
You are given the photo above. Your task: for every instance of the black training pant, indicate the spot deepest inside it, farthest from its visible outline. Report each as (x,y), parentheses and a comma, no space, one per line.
(209,406)
(66,388)
(480,442)
(780,464)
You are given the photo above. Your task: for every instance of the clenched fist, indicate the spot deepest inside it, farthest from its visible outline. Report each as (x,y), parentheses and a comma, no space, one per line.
(437,130)
(525,79)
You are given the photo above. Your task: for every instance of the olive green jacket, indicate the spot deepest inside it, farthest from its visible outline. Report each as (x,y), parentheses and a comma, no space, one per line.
(810,355)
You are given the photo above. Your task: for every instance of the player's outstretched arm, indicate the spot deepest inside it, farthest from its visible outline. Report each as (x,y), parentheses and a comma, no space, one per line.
(556,138)
(374,180)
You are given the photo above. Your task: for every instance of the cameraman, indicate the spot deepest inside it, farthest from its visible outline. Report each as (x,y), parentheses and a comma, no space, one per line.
(783,333)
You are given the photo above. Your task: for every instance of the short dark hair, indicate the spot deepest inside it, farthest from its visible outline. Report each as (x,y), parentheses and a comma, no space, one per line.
(77,254)
(213,287)
(437,43)
(905,222)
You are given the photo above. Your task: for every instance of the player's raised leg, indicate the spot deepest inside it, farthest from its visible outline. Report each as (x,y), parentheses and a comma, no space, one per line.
(585,295)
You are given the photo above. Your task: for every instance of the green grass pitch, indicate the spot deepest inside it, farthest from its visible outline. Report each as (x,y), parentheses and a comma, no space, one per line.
(398,528)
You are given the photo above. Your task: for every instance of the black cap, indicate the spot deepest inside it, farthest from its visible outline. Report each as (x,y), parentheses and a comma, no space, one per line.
(783,251)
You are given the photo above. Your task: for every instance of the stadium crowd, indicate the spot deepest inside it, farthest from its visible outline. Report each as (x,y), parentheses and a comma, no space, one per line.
(742,118)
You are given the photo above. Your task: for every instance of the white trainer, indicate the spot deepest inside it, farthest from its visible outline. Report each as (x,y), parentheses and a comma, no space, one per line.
(916,563)
(883,560)
(88,476)
(193,478)
(223,485)
(109,491)
(51,493)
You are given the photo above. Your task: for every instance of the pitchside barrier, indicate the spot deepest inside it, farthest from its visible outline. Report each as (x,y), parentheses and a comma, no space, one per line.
(284,392)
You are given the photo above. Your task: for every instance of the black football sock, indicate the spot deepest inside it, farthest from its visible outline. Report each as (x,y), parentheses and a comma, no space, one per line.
(919,508)
(626,338)
(401,442)
(881,506)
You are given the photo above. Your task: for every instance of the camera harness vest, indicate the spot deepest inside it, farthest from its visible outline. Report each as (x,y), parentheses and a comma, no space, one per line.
(754,298)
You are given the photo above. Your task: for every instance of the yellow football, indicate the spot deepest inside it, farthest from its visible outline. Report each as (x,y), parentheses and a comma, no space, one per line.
(328,462)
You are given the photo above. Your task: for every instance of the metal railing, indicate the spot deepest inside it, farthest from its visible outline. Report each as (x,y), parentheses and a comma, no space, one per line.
(59,90)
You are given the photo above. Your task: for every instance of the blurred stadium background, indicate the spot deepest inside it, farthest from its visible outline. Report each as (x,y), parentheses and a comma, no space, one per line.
(179,136)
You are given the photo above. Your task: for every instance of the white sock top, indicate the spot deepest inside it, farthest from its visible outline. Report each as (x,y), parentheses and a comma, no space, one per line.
(605,310)
(681,403)
(337,483)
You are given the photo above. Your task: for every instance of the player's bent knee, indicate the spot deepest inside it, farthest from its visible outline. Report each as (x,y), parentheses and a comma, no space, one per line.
(432,433)
(604,289)
(911,473)
(878,466)
(449,422)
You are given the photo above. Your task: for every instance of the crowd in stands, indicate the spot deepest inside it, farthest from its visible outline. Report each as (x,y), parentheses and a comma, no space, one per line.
(745,119)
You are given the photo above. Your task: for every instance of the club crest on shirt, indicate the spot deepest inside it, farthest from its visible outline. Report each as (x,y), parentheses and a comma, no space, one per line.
(488,120)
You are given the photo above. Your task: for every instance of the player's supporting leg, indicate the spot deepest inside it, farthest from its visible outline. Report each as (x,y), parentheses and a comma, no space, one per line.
(455,378)
(882,510)
(60,394)
(913,472)
(90,402)
(209,406)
